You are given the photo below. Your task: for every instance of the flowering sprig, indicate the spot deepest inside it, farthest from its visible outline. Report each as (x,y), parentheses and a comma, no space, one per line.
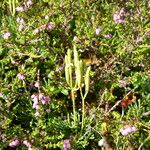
(127,130)
(14,143)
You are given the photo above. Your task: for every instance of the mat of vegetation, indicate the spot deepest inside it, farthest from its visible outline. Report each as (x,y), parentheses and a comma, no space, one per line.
(75,74)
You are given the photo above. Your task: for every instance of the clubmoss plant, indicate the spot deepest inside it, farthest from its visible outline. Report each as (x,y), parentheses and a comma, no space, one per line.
(76,82)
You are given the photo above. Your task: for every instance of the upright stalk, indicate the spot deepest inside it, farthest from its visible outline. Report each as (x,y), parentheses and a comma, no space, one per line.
(74,107)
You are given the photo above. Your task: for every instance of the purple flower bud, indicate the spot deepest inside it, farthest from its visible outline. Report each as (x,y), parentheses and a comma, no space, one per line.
(14,143)
(20,76)
(6,35)
(66,144)
(98,30)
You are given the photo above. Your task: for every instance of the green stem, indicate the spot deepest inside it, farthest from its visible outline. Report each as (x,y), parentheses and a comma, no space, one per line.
(74,108)
(83,107)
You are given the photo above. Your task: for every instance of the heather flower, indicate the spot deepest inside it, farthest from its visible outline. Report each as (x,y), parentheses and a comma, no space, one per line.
(35,104)
(45,99)
(36,31)
(66,144)
(108,35)
(50,26)
(37,84)
(46,17)
(21,8)
(101,142)
(1,94)
(118,16)
(27,144)
(76,39)
(98,30)
(127,130)
(28,3)
(21,27)
(59,68)
(6,35)
(14,143)
(20,76)
(20,20)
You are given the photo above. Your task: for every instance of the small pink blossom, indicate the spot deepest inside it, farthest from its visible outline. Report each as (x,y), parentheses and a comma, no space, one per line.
(50,26)
(127,130)
(108,35)
(76,39)
(119,16)
(37,84)
(66,144)
(27,144)
(98,30)
(36,31)
(1,94)
(14,143)
(20,20)
(29,2)
(21,8)
(45,99)
(21,27)
(6,35)
(20,76)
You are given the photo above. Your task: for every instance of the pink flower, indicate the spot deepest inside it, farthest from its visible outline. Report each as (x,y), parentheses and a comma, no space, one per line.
(1,94)
(14,143)
(76,39)
(98,30)
(29,2)
(118,16)
(21,27)
(27,144)
(108,35)
(127,130)
(45,99)
(20,76)
(66,144)
(36,31)
(37,84)
(6,35)
(20,20)
(50,26)
(21,9)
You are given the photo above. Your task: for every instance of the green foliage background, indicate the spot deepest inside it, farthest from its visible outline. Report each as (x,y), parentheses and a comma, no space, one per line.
(120,58)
